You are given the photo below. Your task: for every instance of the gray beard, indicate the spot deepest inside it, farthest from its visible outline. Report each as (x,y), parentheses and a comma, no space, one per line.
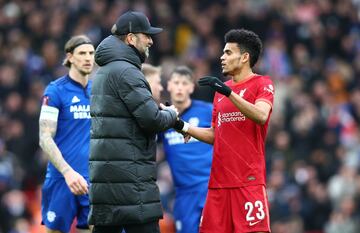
(146,52)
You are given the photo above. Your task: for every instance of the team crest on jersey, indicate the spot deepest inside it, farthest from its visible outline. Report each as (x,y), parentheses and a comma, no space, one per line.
(51,215)
(242,92)
(194,121)
(269,88)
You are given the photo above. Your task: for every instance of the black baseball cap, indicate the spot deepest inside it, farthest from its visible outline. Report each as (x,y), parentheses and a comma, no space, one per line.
(134,22)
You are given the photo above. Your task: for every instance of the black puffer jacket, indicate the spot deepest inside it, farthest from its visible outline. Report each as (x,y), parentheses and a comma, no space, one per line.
(124,122)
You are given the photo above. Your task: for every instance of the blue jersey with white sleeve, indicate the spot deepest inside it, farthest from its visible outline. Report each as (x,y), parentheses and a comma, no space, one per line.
(73,126)
(190,162)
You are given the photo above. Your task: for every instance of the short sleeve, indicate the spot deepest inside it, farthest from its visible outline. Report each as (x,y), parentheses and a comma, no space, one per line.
(51,96)
(266,91)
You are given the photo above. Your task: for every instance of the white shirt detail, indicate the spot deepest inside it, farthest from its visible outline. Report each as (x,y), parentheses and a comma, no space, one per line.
(270,89)
(175,138)
(75,99)
(178,225)
(49,113)
(219,119)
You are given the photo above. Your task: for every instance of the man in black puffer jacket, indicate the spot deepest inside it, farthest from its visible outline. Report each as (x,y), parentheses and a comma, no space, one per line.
(124,122)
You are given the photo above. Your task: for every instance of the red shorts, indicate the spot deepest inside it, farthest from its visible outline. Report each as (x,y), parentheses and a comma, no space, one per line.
(236,210)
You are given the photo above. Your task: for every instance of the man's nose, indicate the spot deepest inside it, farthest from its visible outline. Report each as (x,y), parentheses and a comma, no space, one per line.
(150,41)
(88,56)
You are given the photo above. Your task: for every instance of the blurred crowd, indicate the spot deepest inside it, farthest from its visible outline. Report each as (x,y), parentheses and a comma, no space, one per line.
(311,51)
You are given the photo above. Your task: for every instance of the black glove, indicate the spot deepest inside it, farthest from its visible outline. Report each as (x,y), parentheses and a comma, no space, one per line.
(179,124)
(215,84)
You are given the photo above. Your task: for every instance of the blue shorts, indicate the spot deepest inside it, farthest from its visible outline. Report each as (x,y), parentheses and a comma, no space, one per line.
(59,206)
(188,207)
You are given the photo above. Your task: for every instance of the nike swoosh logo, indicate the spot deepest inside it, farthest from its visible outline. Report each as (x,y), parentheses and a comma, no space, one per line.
(221,99)
(254,223)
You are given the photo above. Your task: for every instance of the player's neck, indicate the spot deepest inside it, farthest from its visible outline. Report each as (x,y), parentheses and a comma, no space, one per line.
(244,74)
(183,106)
(78,77)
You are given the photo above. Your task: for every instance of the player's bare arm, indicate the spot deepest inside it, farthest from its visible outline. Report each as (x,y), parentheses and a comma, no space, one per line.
(203,134)
(258,112)
(47,131)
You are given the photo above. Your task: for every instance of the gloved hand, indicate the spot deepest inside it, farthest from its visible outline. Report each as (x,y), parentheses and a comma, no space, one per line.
(181,126)
(215,84)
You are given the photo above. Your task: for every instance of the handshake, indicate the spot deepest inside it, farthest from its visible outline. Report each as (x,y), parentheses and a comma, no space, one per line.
(217,85)
(180,125)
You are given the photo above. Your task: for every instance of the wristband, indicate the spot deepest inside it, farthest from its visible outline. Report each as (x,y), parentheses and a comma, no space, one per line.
(185,127)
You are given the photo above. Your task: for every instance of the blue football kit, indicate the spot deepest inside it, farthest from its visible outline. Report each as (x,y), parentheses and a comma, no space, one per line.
(59,206)
(190,165)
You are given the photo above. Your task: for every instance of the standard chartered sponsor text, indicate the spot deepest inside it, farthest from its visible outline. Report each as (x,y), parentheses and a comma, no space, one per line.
(232,116)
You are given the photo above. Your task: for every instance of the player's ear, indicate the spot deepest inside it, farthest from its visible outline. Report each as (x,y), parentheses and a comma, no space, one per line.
(131,39)
(168,86)
(192,88)
(245,57)
(69,57)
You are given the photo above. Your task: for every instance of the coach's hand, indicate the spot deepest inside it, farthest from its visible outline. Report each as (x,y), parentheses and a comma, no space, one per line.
(169,107)
(215,84)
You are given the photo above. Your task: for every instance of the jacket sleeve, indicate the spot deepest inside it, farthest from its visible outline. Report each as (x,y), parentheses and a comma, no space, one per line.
(134,91)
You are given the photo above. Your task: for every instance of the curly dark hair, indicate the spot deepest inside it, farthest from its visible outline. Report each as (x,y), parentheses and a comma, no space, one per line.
(247,41)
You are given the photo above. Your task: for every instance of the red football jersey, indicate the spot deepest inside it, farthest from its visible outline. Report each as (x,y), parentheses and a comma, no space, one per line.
(239,146)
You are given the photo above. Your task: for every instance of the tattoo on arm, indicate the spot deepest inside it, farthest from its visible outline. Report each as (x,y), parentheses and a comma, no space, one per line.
(47,130)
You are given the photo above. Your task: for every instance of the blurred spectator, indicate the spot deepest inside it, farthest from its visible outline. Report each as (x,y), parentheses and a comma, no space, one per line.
(342,185)
(13,208)
(315,207)
(11,173)
(344,219)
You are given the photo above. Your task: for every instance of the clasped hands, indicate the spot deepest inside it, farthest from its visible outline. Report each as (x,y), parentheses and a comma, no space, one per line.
(179,124)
